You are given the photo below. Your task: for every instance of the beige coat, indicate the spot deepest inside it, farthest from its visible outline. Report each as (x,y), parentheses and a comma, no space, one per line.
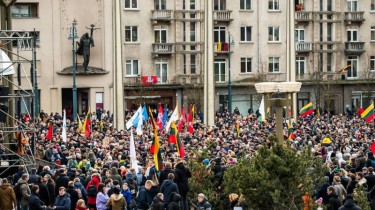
(117,202)
(7,197)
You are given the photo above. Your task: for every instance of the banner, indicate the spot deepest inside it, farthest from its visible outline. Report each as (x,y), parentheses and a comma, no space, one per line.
(149,80)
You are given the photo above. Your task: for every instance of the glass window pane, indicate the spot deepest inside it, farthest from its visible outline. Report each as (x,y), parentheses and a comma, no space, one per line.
(248,4)
(128,68)
(243,65)
(127,3)
(135,67)
(135,4)
(135,34)
(248,65)
(243,34)
(242,4)
(277,38)
(270,34)
(248,33)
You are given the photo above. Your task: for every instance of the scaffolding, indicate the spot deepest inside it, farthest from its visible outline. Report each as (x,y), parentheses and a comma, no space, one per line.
(17,135)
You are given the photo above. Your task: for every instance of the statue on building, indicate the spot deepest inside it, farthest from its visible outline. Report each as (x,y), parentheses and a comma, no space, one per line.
(84,45)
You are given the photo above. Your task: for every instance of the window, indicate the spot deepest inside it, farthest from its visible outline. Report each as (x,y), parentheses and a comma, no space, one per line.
(273,64)
(373,33)
(131,33)
(27,43)
(352,5)
(99,100)
(353,70)
(161,70)
(329,62)
(160,35)
(273,5)
(245,65)
(192,4)
(184,62)
(160,4)
(372,5)
(132,68)
(300,35)
(273,34)
(220,5)
(131,4)
(300,66)
(193,64)
(192,31)
(303,98)
(245,4)
(25,10)
(184,31)
(219,34)
(372,63)
(246,34)
(329,5)
(352,35)
(219,66)
(329,32)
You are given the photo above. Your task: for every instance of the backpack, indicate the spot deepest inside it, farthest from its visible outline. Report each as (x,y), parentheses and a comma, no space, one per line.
(18,191)
(92,191)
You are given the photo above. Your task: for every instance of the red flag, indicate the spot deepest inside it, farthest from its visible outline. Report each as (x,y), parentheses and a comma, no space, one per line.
(149,80)
(159,120)
(88,128)
(191,119)
(182,120)
(49,132)
(372,147)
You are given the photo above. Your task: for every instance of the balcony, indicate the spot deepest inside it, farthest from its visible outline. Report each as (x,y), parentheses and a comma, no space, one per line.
(162,16)
(162,49)
(304,47)
(354,17)
(354,48)
(222,16)
(303,16)
(221,49)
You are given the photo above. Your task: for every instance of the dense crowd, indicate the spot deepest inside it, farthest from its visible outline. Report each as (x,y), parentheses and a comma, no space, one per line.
(95,172)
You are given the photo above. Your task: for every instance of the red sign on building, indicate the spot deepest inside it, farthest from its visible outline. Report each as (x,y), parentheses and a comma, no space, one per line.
(149,80)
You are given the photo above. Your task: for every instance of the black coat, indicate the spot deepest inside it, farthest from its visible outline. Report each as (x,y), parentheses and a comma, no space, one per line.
(182,175)
(167,188)
(61,181)
(164,174)
(35,203)
(370,181)
(51,192)
(73,197)
(349,205)
(334,202)
(157,204)
(33,179)
(45,198)
(174,202)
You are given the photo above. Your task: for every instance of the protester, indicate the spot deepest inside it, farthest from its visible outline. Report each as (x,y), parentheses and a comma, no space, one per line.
(102,198)
(157,203)
(63,200)
(34,202)
(117,200)
(7,196)
(203,203)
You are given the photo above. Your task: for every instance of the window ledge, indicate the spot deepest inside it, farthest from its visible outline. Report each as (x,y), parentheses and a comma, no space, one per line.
(246,42)
(246,74)
(22,18)
(277,72)
(132,76)
(274,11)
(372,41)
(272,42)
(132,9)
(246,10)
(132,43)
(372,11)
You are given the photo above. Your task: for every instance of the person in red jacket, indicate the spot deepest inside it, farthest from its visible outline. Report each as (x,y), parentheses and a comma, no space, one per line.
(92,190)
(80,205)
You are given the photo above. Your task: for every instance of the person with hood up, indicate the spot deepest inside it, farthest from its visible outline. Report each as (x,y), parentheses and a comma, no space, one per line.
(181,178)
(174,202)
(168,187)
(34,202)
(203,203)
(92,190)
(78,185)
(7,196)
(157,203)
(132,184)
(102,198)
(334,201)
(63,200)
(349,204)
(114,175)
(117,200)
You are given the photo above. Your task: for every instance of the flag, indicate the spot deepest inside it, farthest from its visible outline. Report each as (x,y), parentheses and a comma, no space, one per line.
(165,116)
(182,120)
(159,120)
(140,122)
(64,127)
(174,117)
(85,122)
(306,110)
(88,124)
(80,126)
(317,112)
(149,80)
(345,69)
(144,113)
(155,147)
(262,113)
(372,147)
(49,132)
(237,130)
(291,135)
(368,114)
(101,126)
(134,119)
(133,155)
(175,139)
(191,119)
(6,65)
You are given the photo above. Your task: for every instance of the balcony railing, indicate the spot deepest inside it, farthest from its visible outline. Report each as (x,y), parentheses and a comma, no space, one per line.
(222,16)
(163,48)
(354,17)
(221,48)
(354,48)
(303,16)
(304,47)
(162,15)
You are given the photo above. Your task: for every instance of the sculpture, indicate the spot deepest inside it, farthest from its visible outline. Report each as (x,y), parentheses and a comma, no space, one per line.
(84,45)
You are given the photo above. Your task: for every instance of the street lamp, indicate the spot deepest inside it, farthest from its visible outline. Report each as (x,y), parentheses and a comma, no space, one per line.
(230,42)
(267,88)
(73,34)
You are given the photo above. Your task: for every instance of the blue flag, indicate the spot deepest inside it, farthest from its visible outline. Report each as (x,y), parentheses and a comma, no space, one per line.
(165,116)
(144,113)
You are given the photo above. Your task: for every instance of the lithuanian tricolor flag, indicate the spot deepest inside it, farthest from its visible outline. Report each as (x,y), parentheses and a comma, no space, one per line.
(155,147)
(345,69)
(174,138)
(306,110)
(291,135)
(368,114)
(238,130)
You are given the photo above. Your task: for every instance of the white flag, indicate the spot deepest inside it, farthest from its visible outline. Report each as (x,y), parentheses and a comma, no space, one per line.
(139,124)
(133,155)
(64,127)
(134,119)
(6,66)
(174,117)
(261,110)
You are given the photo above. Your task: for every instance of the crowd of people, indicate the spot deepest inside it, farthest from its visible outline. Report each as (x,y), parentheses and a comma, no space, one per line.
(95,172)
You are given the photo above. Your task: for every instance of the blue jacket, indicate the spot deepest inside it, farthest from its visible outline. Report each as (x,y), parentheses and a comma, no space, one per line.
(127,195)
(63,202)
(35,203)
(167,188)
(82,188)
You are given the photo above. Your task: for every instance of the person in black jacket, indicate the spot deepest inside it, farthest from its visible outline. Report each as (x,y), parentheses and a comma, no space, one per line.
(48,181)
(61,181)
(370,178)
(164,173)
(73,195)
(181,178)
(167,188)
(174,202)
(157,203)
(34,202)
(33,177)
(43,190)
(334,201)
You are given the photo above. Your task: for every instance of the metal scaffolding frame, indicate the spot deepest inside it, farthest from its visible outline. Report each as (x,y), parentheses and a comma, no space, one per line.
(18,44)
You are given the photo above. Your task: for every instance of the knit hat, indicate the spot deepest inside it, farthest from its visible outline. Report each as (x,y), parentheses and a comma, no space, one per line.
(201,195)
(206,161)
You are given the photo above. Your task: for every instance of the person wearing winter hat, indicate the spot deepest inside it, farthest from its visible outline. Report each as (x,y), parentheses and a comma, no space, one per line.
(349,204)
(203,203)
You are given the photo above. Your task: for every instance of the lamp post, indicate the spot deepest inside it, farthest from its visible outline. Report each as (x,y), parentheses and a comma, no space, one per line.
(72,35)
(230,42)
(268,88)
